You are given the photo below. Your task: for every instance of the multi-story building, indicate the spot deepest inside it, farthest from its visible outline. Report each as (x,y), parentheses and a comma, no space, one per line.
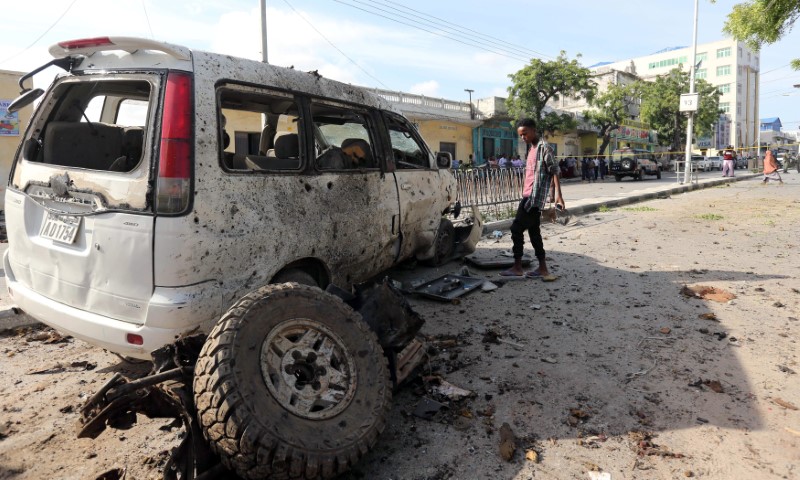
(728,65)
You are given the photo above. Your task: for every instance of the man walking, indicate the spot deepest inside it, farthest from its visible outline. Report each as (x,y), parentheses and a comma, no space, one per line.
(541,183)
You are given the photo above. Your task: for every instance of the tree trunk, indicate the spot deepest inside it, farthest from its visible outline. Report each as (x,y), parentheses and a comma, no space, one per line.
(606,141)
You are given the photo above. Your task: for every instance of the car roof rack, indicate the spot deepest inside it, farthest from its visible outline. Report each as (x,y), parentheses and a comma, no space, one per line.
(89,46)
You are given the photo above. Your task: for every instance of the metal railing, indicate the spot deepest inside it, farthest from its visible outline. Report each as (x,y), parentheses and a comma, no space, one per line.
(489,186)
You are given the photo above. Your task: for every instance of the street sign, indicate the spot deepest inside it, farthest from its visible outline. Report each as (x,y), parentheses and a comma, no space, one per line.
(689,102)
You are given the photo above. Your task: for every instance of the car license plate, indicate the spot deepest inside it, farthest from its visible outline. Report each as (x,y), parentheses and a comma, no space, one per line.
(60,228)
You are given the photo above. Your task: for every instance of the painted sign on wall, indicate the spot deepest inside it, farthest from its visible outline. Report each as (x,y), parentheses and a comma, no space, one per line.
(9,122)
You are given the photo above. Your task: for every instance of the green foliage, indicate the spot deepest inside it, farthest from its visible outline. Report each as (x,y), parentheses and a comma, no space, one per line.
(610,108)
(640,209)
(759,22)
(709,216)
(661,102)
(603,209)
(539,82)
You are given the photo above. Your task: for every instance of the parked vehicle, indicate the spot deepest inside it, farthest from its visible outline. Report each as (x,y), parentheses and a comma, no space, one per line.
(714,163)
(700,163)
(632,162)
(740,163)
(158,186)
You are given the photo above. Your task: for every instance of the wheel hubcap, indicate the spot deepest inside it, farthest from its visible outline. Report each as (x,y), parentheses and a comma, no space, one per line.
(307,369)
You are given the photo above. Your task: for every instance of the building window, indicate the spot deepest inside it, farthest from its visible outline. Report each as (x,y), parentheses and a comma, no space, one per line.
(738,88)
(723,70)
(740,51)
(723,52)
(738,106)
(700,73)
(724,88)
(725,107)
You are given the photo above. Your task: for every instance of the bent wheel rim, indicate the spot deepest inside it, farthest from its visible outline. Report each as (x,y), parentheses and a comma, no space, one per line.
(307,369)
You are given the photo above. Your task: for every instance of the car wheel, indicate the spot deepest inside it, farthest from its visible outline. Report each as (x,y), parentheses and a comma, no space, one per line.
(617,178)
(658,175)
(291,383)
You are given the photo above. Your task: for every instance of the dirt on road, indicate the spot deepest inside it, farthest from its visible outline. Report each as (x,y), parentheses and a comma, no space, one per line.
(667,348)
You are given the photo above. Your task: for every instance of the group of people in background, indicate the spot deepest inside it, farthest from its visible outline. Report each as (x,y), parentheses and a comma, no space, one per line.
(592,168)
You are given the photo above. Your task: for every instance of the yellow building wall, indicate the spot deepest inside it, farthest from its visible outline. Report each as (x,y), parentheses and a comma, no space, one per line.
(590,144)
(9,90)
(436,131)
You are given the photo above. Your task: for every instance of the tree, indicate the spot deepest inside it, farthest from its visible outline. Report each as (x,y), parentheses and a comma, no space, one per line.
(610,108)
(539,82)
(660,107)
(759,22)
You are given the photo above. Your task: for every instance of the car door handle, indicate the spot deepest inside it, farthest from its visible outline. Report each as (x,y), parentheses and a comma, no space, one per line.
(405,186)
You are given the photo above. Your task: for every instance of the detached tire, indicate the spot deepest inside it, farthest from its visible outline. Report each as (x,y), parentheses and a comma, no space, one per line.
(291,383)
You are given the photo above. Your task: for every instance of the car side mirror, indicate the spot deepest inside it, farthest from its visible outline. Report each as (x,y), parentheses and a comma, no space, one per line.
(444,159)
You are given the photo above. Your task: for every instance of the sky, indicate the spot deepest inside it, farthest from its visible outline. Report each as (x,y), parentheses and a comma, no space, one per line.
(436,48)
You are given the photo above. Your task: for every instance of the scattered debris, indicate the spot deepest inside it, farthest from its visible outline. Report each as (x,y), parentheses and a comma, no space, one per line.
(782,368)
(784,404)
(644,446)
(707,293)
(516,345)
(428,408)
(709,316)
(595,475)
(46,336)
(488,287)
(549,360)
(665,330)
(536,306)
(532,456)
(439,386)
(778,305)
(448,287)
(59,368)
(508,442)
(714,385)
(577,416)
(113,474)
(792,431)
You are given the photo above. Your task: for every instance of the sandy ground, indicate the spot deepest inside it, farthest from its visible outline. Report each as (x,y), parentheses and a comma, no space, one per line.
(609,372)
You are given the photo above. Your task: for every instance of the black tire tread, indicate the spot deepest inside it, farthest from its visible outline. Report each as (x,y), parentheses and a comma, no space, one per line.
(245,447)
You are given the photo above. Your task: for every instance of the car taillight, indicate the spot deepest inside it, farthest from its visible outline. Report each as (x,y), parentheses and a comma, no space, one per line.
(175,161)
(85,42)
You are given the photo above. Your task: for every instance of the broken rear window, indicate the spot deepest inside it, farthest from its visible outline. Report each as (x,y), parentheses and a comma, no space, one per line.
(95,125)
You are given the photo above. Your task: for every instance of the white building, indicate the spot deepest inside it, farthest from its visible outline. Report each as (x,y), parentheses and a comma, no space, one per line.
(727,64)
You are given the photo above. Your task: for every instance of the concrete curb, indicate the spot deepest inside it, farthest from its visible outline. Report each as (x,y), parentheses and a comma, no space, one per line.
(619,202)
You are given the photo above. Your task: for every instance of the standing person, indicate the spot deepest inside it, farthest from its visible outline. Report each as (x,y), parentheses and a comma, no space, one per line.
(771,168)
(570,167)
(541,183)
(590,169)
(584,168)
(602,167)
(728,161)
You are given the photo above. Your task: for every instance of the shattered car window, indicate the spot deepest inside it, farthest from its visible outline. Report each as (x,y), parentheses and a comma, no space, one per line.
(96,125)
(258,131)
(341,138)
(406,148)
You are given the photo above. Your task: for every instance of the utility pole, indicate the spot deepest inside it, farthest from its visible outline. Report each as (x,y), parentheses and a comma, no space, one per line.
(687,174)
(264,31)
(471,111)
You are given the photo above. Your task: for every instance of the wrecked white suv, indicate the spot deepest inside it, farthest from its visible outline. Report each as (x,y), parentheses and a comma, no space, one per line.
(157,188)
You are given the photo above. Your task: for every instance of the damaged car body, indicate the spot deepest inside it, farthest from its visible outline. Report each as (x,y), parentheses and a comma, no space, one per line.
(160,191)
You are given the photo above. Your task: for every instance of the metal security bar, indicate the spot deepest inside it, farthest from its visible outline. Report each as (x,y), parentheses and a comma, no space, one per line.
(489,186)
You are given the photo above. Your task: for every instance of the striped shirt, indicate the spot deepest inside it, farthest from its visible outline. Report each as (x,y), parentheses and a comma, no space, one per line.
(539,171)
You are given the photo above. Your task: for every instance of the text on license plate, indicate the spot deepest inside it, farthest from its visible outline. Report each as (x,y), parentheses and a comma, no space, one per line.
(61,228)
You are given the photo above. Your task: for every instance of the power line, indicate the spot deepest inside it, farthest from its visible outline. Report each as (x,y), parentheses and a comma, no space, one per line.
(40,36)
(430,31)
(774,69)
(334,46)
(147,17)
(458,29)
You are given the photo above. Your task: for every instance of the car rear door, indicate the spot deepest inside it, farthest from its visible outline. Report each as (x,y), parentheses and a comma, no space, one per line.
(78,211)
